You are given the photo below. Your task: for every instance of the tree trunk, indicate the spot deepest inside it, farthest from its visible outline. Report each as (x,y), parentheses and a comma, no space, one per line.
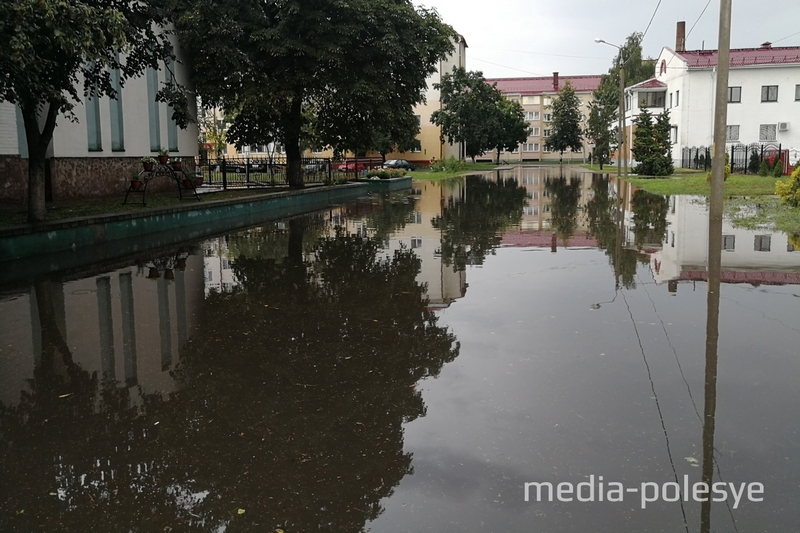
(38,142)
(497,161)
(294,174)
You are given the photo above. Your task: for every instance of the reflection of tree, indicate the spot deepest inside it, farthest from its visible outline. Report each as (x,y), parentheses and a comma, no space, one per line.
(564,196)
(471,227)
(394,214)
(649,217)
(296,388)
(605,224)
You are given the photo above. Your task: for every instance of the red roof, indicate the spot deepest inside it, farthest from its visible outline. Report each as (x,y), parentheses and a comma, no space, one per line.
(652,83)
(544,85)
(744,57)
(544,239)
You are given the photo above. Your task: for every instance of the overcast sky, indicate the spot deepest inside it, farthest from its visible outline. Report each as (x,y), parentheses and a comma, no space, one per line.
(511,38)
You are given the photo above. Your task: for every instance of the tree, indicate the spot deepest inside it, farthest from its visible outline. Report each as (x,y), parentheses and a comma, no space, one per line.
(598,130)
(510,127)
(565,129)
(651,145)
(469,110)
(55,53)
(355,63)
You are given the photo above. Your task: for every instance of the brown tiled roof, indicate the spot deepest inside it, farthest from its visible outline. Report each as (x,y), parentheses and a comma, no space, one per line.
(753,278)
(529,86)
(744,57)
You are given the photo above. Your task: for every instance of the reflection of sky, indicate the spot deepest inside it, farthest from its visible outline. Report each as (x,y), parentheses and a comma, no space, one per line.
(547,389)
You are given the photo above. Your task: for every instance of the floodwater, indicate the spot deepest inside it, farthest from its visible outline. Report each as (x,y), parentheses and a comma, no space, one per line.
(414,364)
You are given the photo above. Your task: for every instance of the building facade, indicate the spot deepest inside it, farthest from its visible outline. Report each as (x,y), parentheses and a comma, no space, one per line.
(763,97)
(536,97)
(95,155)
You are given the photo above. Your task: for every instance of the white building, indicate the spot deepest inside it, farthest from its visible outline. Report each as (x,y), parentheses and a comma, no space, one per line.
(95,156)
(763,96)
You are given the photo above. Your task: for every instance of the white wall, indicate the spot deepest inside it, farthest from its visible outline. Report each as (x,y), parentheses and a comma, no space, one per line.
(8,129)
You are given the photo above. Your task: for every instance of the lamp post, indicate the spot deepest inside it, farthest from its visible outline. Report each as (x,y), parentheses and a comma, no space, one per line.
(621,119)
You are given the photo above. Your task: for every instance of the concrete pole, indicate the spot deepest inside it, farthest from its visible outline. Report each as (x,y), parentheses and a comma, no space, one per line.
(622,106)
(715,251)
(621,119)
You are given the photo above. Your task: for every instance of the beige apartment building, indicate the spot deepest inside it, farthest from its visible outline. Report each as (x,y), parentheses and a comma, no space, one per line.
(536,96)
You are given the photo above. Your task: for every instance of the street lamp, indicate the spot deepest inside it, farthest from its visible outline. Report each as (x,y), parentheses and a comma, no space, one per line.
(621,119)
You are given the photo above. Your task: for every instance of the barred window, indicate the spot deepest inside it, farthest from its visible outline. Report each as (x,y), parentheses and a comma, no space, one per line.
(731,133)
(767,132)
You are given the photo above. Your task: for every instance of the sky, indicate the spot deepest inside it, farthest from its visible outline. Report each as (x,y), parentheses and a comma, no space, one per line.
(518,38)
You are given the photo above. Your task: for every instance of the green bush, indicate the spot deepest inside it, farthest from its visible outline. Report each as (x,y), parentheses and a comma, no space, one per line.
(449,165)
(727,170)
(789,190)
(755,163)
(764,169)
(777,170)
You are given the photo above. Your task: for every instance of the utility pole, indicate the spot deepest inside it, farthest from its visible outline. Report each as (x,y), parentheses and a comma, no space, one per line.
(715,252)
(623,135)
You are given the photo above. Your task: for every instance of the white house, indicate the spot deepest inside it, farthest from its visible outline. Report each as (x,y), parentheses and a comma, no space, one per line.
(763,96)
(95,156)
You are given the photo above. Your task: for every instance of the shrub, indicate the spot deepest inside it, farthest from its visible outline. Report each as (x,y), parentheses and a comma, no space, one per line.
(727,170)
(755,163)
(450,165)
(777,170)
(789,190)
(764,169)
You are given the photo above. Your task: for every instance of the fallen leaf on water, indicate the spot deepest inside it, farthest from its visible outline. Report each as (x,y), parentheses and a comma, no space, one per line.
(241,511)
(66,395)
(691,460)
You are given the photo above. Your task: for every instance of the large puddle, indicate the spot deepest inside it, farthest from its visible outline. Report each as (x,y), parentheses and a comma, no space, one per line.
(521,352)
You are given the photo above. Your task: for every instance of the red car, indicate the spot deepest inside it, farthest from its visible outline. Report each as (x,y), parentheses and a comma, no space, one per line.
(353,166)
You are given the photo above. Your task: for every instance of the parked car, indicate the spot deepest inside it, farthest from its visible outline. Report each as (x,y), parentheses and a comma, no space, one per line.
(353,166)
(398,163)
(314,168)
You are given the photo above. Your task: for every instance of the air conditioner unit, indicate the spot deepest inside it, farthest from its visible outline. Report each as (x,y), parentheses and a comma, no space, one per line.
(783,126)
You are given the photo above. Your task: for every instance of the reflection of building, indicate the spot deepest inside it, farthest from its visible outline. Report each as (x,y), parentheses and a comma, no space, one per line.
(748,256)
(127,328)
(536,96)
(217,267)
(444,284)
(535,228)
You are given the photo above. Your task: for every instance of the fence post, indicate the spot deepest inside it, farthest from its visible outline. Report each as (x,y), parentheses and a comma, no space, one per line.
(224,175)
(328,165)
(247,169)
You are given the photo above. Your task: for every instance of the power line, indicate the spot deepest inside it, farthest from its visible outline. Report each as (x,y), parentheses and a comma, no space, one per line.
(698,19)
(505,66)
(783,39)
(651,19)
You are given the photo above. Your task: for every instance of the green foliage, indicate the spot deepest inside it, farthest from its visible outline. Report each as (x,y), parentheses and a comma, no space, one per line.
(754,165)
(599,132)
(510,128)
(636,69)
(789,190)
(727,170)
(564,195)
(469,111)
(764,169)
(449,165)
(651,145)
(386,173)
(355,65)
(565,130)
(777,169)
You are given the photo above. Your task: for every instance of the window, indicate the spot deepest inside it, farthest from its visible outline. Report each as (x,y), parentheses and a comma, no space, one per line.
(529,147)
(546,150)
(729,242)
(531,115)
(530,100)
(670,99)
(797,93)
(530,211)
(674,138)
(416,148)
(535,132)
(677,98)
(417,217)
(655,99)
(546,133)
(663,69)
(515,150)
(93,123)
(767,132)
(536,149)
(547,100)
(734,95)
(416,242)
(762,243)
(769,93)
(115,108)
(548,117)
(731,133)
(153,116)
(514,99)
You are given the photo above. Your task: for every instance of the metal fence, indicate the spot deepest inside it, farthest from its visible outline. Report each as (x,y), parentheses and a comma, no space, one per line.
(254,172)
(743,158)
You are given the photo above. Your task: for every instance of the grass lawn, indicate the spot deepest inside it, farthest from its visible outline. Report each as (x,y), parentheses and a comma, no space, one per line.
(763,214)
(17,214)
(424,173)
(695,183)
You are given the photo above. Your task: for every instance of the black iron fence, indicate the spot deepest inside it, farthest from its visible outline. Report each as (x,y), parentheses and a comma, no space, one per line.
(743,158)
(247,172)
